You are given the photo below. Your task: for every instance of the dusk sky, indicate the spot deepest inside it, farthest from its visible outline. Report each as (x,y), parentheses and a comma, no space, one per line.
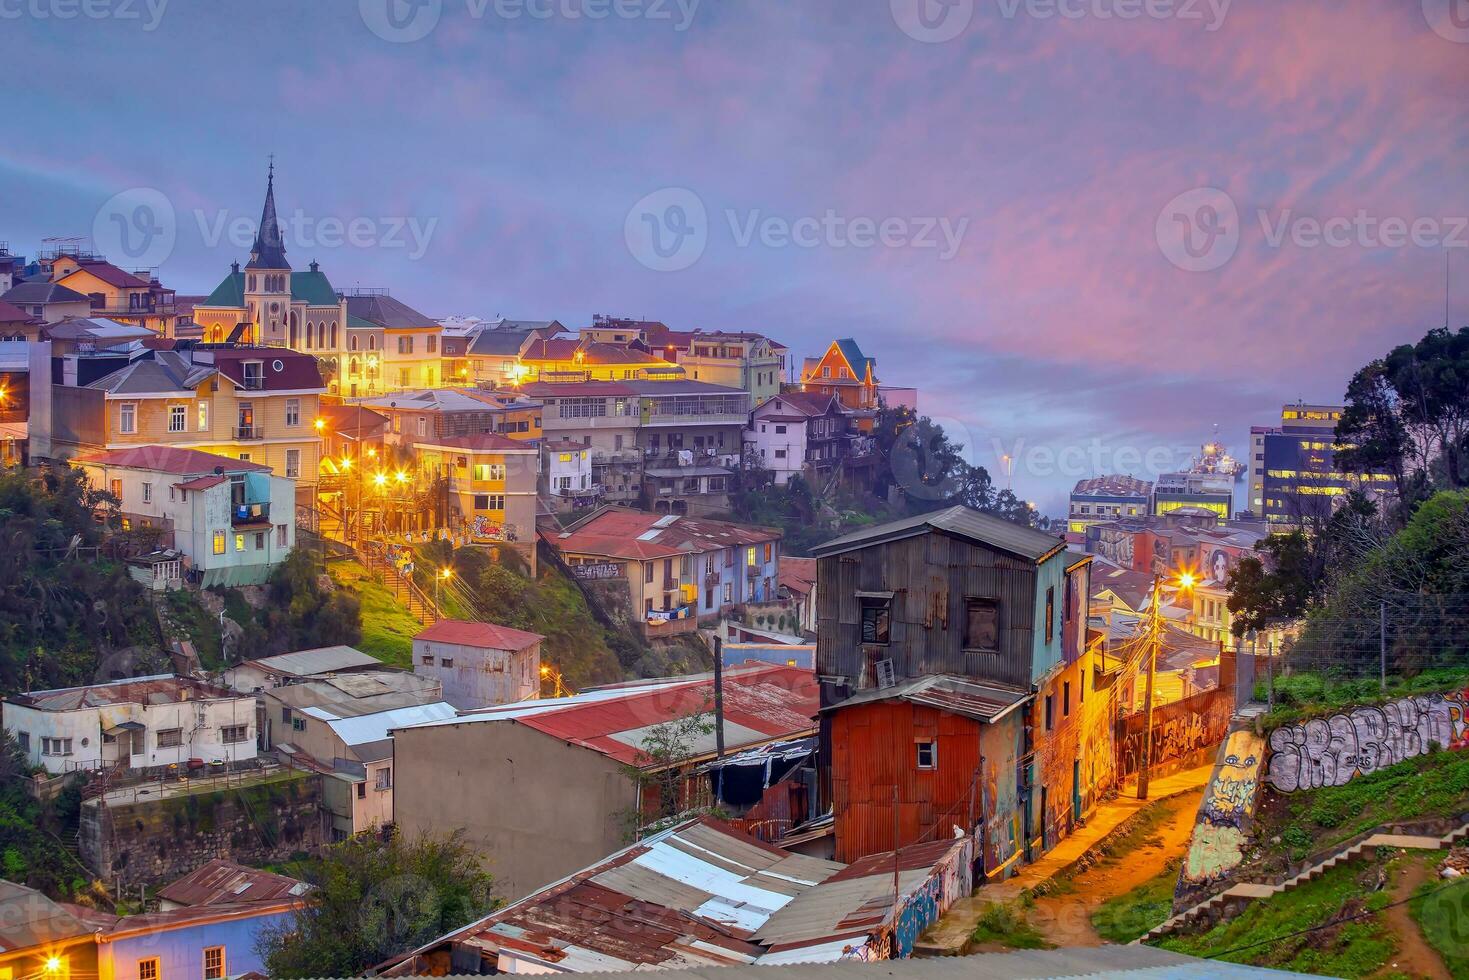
(992,196)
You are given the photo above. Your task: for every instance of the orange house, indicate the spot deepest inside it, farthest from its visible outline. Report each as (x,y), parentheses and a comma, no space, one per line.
(846,374)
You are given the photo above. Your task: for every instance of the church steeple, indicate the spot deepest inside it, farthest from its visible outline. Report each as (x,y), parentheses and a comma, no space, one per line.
(269,251)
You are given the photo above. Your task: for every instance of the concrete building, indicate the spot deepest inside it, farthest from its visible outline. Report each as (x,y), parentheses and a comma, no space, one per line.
(542,789)
(571,483)
(1106,498)
(1194,492)
(1294,479)
(138,723)
(808,433)
(747,361)
(479,664)
(677,570)
(263,673)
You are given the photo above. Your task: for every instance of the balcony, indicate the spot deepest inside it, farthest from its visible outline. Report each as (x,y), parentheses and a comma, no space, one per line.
(752,572)
(253,382)
(250,515)
(246,433)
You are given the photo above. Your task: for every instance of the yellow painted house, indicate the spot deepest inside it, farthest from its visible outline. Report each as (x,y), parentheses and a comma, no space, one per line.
(570,359)
(251,403)
(117,294)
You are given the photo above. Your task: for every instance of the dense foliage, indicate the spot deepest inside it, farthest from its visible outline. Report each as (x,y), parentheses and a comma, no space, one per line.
(918,469)
(372,899)
(69,614)
(30,849)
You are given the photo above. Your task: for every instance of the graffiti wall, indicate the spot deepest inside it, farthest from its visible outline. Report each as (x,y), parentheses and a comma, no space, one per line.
(1003,831)
(950,880)
(1217,846)
(1180,729)
(1332,751)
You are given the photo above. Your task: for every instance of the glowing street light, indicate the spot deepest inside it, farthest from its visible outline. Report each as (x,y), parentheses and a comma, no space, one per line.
(379,480)
(53,964)
(1185,582)
(320,425)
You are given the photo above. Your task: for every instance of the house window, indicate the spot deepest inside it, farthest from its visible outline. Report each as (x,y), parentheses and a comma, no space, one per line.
(23,739)
(213,963)
(148,969)
(293,463)
(431,344)
(178,418)
(875,612)
(219,542)
(422,426)
(927,754)
(489,501)
(293,412)
(1065,699)
(280,535)
(55,746)
(768,550)
(648,573)
(362,791)
(298,724)
(384,779)
(259,540)
(446,661)
(489,471)
(780,430)
(147,493)
(1050,613)
(285,716)
(1050,711)
(127,418)
(428,660)
(982,624)
(231,734)
(239,542)
(169,738)
(728,592)
(405,345)
(117,490)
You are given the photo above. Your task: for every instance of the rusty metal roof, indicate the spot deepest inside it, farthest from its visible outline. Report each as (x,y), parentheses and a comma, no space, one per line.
(692,895)
(154,689)
(222,882)
(981,701)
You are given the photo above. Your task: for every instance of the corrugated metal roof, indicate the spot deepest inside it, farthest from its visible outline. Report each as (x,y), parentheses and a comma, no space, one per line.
(761,702)
(320,660)
(691,895)
(962,522)
(375,727)
(220,882)
(980,701)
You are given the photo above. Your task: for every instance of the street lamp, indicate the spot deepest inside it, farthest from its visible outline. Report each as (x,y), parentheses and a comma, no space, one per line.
(551,673)
(1155,646)
(444,575)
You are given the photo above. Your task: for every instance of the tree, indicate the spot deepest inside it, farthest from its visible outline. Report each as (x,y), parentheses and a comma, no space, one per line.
(373,899)
(303,613)
(1407,414)
(657,769)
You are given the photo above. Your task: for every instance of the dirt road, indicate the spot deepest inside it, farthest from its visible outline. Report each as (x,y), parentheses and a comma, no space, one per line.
(1064,918)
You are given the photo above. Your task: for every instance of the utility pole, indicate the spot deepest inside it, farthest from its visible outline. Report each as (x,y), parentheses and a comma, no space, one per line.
(718,698)
(1270,674)
(1155,640)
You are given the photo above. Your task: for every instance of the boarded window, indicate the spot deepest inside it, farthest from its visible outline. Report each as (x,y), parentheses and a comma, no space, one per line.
(875,613)
(982,624)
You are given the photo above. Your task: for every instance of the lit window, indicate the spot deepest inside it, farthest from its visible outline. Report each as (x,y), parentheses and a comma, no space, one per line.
(239,542)
(178,418)
(219,542)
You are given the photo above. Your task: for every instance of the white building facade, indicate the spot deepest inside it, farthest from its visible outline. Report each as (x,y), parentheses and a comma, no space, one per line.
(137,723)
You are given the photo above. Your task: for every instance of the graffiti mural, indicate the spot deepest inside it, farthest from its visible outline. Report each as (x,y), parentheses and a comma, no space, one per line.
(1333,751)
(1180,728)
(1217,846)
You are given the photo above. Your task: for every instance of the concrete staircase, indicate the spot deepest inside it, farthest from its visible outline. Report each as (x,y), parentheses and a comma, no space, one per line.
(1232,900)
(403,588)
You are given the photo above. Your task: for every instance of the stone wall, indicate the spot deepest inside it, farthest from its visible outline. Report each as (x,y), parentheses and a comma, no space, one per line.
(153,841)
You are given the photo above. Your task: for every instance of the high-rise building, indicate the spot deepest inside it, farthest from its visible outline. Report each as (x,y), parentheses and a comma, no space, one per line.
(1293,475)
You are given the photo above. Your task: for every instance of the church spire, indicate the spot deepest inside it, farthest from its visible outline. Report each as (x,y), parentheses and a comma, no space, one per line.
(269,251)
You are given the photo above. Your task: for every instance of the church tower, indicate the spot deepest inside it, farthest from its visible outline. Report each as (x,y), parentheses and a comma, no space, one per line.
(268,275)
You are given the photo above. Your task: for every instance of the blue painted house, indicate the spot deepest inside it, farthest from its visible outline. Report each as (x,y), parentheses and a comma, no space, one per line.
(205,942)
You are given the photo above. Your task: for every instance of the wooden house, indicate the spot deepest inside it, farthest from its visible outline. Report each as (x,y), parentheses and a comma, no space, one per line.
(948,650)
